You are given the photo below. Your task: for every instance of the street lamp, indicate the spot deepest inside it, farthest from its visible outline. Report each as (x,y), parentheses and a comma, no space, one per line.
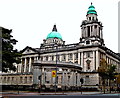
(81,80)
(56,69)
(39,78)
(17,81)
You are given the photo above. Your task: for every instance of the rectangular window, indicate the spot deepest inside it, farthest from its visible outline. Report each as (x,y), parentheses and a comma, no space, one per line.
(88,54)
(25,80)
(58,58)
(87,80)
(88,31)
(52,58)
(21,79)
(76,56)
(89,18)
(63,57)
(41,58)
(88,66)
(70,56)
(46,58)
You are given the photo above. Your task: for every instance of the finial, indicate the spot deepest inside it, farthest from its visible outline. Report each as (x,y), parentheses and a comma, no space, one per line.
(91,3)
(54,28)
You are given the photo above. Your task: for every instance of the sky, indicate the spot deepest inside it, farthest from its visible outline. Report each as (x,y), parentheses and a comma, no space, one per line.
(32,20)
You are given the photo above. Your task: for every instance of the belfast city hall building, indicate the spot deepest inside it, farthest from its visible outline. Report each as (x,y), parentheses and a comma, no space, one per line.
(64,66)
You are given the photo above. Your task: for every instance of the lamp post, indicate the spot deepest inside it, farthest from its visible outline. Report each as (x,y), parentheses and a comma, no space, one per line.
(81,80)
(56,69)
(40,77)
(17,81)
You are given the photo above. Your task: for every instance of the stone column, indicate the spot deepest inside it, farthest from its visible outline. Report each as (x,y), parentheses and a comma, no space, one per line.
(21,66)
(90,30)
(101,33)
(63,78)
(35,58)
(54,57)
(48,58)
(73,57)
(82,61)
(97,31)
(72,80)
(94,67)
(25,65)
(79,58)
(42,76)
(86,31)
(43,58)
(60,56)
(82,32)
(67,77)
(97,59)
(93,30)
(66,57)
(30,64)
(78,79)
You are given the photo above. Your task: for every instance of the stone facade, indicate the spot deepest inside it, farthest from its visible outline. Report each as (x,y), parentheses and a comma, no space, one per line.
(72,62)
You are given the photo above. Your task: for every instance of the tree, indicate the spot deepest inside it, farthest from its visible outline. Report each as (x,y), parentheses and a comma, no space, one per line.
(9,55)
(111,74)
(106,71)
(118,81)
(102,70)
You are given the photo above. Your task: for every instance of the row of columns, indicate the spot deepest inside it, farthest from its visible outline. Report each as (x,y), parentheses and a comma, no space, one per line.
(63,79)
(96,60)
(27,62)
(93,31)
(26,65)
(17,80)
(81,61)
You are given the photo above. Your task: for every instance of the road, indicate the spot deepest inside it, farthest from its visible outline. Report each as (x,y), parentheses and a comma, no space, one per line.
(63,94)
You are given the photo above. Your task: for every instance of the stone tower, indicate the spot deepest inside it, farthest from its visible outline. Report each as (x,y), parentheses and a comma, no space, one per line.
(91,29)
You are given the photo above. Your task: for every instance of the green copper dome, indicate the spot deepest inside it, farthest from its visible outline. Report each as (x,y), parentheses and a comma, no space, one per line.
(54,34)
(91,10)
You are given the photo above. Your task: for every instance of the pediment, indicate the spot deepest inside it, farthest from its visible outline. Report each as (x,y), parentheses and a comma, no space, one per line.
(28,50)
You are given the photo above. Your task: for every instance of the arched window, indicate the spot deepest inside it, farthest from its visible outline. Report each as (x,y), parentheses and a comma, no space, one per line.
(30,79)
(8,79)
(5,79)
(21,79)
(88,64)
(89,18)
(25,80)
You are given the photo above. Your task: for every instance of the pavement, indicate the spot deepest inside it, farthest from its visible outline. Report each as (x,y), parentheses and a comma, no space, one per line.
(23,93)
